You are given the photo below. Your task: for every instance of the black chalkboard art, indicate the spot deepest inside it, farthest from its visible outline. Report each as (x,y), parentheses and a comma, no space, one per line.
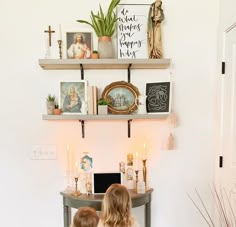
(158,97)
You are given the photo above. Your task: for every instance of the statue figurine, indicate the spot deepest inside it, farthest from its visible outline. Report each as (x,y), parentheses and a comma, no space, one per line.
(155,17)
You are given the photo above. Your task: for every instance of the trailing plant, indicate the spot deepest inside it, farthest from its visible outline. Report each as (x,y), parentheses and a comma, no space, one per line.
(103,25)
(103,102)
(51,98)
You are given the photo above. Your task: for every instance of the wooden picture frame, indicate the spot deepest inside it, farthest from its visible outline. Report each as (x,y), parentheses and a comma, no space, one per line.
(158,97)
(132,39)
(72,96)
(123,97)
(83,50)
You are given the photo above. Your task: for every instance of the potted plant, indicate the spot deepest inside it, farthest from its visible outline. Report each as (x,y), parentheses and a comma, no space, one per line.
(50,103)
(95,54)
(103,106)
(104,26)
(57,110)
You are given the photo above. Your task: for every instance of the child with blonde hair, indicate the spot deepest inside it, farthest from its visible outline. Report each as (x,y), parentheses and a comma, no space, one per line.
(85,217)
(116,208)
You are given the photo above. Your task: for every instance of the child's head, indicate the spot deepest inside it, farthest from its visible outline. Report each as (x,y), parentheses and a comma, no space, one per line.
(85,217)
(116,210)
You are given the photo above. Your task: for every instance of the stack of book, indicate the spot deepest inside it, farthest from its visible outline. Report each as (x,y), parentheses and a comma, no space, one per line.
(92,100)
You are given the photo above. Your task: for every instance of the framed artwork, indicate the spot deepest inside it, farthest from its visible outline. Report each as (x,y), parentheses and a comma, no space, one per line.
(130,174)
(72,95)
(130,159)
(123,97)
(158,97)
(132,31)
(78,45)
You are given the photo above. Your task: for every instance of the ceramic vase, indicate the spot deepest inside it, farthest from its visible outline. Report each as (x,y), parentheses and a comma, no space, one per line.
(102,109)
(50,107)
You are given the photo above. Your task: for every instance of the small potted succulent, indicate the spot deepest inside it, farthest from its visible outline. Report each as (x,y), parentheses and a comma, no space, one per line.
(57,110)
(103,106)
(50,103)
(95,54)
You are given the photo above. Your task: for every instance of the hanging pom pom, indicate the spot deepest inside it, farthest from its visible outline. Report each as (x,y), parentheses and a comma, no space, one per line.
(172,120)
(170,142)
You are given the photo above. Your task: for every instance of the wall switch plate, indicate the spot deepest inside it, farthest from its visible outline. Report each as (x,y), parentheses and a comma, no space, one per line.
(43,152)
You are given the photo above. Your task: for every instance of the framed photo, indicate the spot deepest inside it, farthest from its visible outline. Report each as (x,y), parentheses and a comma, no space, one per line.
(158,97)
(123,97)
(72,96)
(78,45)
(132,31)
(129,174)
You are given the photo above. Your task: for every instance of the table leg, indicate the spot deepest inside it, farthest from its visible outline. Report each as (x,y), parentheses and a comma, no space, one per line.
(67,216)
(148,214)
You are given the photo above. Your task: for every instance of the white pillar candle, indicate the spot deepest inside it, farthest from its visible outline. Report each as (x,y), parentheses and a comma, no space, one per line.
(59,33)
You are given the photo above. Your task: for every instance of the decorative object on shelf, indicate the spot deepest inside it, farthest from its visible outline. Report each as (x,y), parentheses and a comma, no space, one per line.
(155,17)
(79,45)
(122,95)
(50,103)
(49,31)
(103,106)
(122,167)
(57,110)
(72,94)
(86,163)
(95,54)
(60,48)
(132,31)
(158,97)
(130,159)
(104,25)
(141,103)
(76,192)
(129,174)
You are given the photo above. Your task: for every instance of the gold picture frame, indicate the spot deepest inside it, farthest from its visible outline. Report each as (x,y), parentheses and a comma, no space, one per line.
(123,97)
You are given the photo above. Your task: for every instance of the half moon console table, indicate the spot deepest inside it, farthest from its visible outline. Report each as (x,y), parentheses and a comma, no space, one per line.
(95,201)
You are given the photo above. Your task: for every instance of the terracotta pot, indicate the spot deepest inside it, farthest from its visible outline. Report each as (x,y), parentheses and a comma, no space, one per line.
(94,55)
(105,48)
(57,111)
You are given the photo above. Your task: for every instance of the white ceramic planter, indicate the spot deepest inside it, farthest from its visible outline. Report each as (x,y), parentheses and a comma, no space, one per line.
(102,109)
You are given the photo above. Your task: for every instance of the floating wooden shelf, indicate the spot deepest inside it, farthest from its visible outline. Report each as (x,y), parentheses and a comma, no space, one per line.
(104,117)
(72,64)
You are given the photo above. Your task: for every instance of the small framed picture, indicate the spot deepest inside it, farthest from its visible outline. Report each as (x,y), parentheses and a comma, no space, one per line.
(130,159)
(129,174)
(78,45)
(72,96)
(158,97)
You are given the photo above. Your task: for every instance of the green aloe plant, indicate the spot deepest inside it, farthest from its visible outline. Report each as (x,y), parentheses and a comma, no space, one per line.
(103,25)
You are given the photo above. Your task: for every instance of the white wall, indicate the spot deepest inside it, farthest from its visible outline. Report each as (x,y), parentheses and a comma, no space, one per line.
(30,189)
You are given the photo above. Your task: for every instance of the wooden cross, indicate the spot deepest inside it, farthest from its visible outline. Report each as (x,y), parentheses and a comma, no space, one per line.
(49,33)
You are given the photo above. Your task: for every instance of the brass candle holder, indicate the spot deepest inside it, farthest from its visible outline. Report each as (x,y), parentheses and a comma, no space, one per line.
(76,192)
(145,172)
(60,48)
(136,175)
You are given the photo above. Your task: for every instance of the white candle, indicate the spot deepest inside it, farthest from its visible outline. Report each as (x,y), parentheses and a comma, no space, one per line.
(144,152)
(76,170)
(59,33)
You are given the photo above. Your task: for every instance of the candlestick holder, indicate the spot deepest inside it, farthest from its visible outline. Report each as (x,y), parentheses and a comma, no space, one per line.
(76,192)
(60,48)
(136,175)
(145,172)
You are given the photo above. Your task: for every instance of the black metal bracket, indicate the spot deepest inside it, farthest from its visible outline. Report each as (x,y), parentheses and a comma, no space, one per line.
(82,71)
(129,134)
(223,68)
(221,161)
(82,127)
(129,72)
